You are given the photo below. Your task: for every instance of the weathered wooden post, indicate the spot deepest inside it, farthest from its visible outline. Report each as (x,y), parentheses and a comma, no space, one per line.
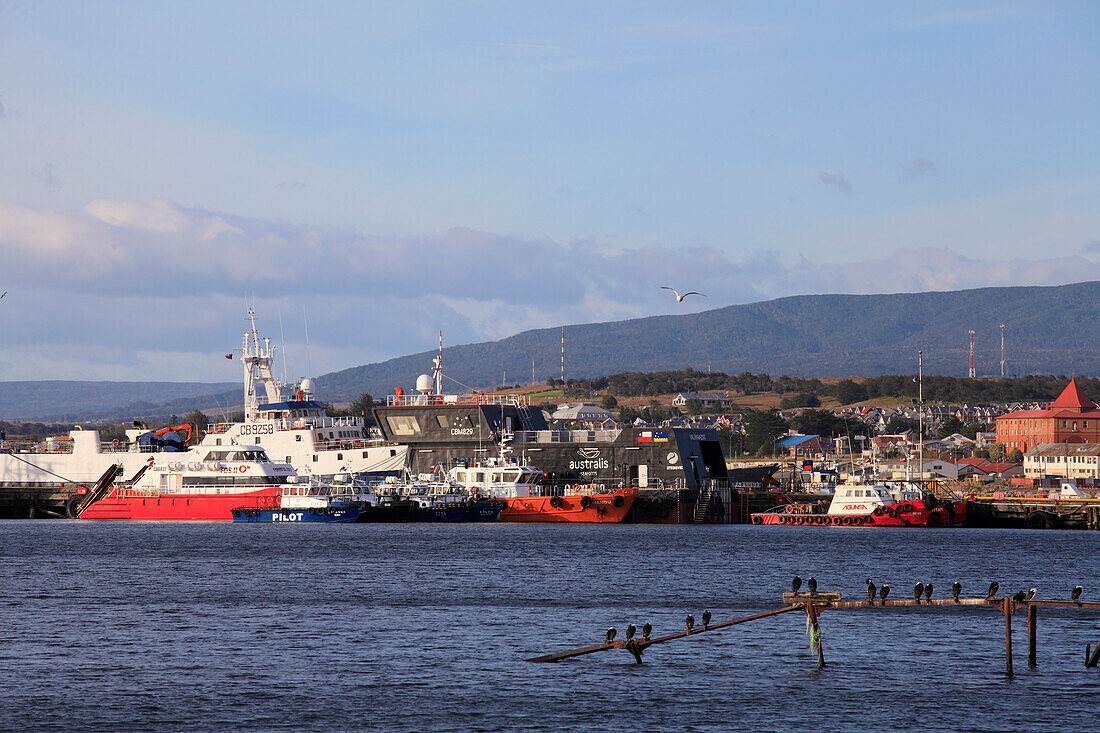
(815,633)
(1006,607)
(1032,613)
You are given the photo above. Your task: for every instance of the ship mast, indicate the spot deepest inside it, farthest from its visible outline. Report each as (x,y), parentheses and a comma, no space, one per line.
(257,358)
(437,368)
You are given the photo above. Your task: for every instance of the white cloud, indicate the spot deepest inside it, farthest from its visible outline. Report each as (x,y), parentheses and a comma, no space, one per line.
(154,290)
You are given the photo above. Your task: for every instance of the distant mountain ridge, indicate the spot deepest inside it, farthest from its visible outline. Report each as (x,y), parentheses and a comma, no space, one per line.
(1048,330)
(76,400)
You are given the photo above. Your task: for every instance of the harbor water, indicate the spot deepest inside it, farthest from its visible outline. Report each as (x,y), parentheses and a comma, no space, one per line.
(214,626)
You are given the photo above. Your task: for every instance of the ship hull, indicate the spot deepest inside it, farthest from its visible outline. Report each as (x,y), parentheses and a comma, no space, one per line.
(176,507)
(296,516)
(602,508)
(914,513)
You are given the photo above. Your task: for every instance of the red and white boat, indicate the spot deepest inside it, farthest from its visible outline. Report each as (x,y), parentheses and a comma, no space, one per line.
(528,501)
(180,486)
(865,505)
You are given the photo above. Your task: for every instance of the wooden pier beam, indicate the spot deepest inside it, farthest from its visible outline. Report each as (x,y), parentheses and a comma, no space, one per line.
(1032,614)
(1006,606)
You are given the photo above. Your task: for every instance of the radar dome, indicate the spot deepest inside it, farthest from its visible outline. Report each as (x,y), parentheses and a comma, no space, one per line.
(307,385)
(424,384)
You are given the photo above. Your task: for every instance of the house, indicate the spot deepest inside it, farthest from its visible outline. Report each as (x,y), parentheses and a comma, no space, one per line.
(982,469)
(1072,418)
(707,399)
(1063,460)
(803,445)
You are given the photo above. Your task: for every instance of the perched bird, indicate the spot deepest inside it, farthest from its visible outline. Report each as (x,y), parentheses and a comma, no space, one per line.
(928,592)
(646,631)
(883,592)
(993,589)
(918,591)
(1031,594)
(796,584)
(689,622)
(680,299)
(812,583)
(706,619)
(1020,596)
(956,589)
(1075,595)
(611,634)
(871,589)
(630,631)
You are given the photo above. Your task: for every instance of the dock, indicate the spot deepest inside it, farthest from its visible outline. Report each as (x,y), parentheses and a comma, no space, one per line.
(815,603)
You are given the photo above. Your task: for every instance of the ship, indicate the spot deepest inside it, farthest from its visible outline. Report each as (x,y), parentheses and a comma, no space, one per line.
(528,501)
(871,505)
(680,474)
(184,487)
(293,427)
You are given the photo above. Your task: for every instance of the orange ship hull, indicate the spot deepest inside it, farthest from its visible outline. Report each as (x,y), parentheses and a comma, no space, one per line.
(598,508)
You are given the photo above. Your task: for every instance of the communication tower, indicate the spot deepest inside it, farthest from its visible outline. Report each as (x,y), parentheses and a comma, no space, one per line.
(563,354)
(1002,350)
(971,371)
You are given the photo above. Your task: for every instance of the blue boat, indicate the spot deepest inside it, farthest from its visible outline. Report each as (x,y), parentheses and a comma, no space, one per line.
(333,513)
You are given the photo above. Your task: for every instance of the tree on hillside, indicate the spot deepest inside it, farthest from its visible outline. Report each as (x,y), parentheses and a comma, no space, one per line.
(1016,456)
(609,402)
(824,422)
(996,452)
(763,428)
(951,426)
(201,422)
(693,406)
(802,399)
(848,392)
(363,407)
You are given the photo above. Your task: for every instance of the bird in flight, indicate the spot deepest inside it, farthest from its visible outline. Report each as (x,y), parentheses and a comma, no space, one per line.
(680,298)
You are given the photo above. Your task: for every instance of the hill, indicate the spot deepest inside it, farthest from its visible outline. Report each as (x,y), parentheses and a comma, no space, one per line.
(1048,330)
(74,400)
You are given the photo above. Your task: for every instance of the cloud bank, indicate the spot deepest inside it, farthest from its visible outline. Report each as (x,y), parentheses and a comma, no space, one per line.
(155,290)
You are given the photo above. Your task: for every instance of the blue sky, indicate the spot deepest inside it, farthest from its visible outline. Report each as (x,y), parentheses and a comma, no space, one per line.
(393,169)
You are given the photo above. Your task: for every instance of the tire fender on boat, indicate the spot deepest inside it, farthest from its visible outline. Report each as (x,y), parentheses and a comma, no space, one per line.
(586,501)
(618,501)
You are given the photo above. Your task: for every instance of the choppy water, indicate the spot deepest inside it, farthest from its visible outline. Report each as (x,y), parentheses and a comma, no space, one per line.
(194,626)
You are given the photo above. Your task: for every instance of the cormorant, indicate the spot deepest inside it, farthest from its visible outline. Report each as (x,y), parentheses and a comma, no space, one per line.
(918,591)
(630,632)
(1020,596)
(706,619)
(1076,594)
(611,634)
(796,584)
(1031,594)
(871,589)
(993,589)
(812,583)
(647,630)
(928,592)
(883,592)
(689,622)
(956,589)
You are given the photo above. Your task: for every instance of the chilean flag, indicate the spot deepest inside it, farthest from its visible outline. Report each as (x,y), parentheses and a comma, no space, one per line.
(228,356)
(646,436)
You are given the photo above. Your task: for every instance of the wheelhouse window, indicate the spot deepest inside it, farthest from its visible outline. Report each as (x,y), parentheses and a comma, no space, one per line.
(403,425)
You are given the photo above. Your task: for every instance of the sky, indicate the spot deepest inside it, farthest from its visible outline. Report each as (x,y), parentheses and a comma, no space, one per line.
(372,173)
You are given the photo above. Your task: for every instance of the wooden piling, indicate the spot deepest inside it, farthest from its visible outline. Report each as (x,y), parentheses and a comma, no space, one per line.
(1093,660)
(815,633)
(1006,606)
(1032,613)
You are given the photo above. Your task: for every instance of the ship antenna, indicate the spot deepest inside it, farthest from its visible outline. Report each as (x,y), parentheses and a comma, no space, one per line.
(437,368)
(309,364)
(282,340)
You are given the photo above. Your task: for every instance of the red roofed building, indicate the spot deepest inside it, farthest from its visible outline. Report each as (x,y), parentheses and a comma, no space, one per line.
(1072,418)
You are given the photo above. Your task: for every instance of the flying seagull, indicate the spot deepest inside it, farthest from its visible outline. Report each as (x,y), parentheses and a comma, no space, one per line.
(680,298)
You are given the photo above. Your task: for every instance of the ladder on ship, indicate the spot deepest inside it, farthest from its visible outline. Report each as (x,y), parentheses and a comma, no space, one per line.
(702,502)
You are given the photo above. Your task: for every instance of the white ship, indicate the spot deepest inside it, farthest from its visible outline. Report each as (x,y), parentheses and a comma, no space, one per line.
(295,428)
